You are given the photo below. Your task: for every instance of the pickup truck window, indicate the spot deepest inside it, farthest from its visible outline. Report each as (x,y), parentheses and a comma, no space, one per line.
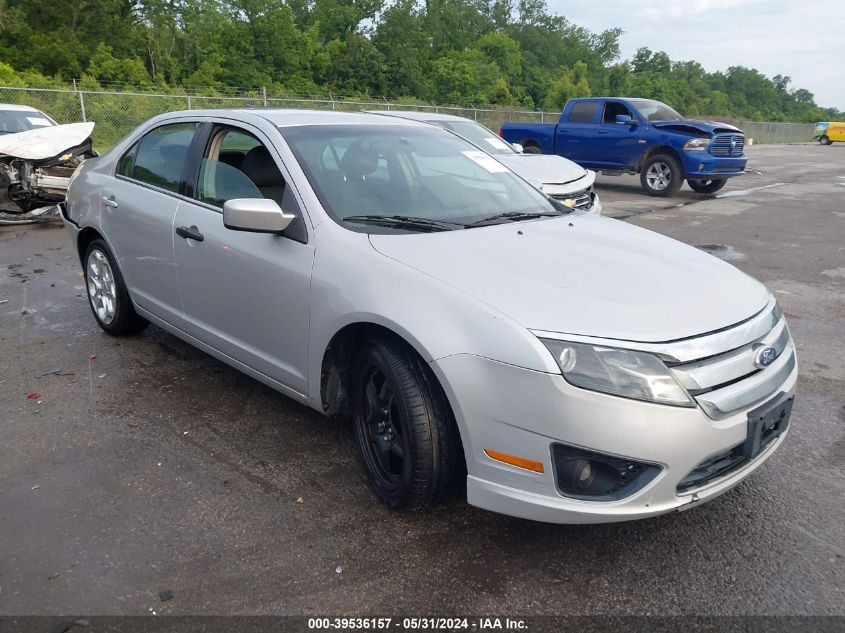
(612,109)
(655,110)
(583,112)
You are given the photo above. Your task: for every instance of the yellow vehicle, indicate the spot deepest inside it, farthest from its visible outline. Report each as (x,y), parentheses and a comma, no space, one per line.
(827,132)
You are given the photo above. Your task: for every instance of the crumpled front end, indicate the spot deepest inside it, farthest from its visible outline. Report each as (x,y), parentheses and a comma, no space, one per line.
(36,166)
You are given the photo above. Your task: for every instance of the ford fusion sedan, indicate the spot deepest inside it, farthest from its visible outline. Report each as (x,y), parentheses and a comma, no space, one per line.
(565,367)
(555,176)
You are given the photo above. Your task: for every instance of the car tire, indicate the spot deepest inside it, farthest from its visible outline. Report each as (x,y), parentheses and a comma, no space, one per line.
(408,442)
(661,175)
(531,148)
(107,295)
(707,186)
(824,139)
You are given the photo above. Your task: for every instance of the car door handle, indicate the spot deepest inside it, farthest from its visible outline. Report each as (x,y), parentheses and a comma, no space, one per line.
(601,132)
(191,233)
(110,202)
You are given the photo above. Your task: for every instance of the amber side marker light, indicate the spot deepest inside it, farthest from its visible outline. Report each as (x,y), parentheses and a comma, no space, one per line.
(519,462)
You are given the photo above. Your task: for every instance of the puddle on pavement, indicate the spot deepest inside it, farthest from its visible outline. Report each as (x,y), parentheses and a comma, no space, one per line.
(722,251)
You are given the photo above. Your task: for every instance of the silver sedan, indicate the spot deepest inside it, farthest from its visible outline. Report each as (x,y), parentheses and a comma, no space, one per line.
(565,367)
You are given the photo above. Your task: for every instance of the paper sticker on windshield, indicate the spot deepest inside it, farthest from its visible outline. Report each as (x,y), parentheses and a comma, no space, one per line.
(495,141)
(486,161)
(38,120)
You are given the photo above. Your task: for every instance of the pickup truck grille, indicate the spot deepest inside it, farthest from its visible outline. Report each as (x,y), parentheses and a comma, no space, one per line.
(583,199)
(727,145)
(730,381)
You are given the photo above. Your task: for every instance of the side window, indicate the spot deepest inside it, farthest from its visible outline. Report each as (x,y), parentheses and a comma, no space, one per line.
(161,155)
(127,161)
(238,165)
(583,112)
(612,109)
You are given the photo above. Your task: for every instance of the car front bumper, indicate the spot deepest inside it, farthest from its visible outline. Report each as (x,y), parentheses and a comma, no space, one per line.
(705,166)
(522,412)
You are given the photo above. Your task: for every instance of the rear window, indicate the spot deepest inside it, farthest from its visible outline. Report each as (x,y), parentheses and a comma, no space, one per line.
(583,112)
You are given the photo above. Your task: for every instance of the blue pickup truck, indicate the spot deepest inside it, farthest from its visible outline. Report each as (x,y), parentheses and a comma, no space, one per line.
(615,135)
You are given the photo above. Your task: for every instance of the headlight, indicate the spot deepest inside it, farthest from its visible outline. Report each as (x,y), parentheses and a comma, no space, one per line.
(697,144)
(619,372)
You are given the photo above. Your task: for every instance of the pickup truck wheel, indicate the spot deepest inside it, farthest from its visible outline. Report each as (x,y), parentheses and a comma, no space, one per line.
(407,439)
(824,139)
(531,148)
(707,186)
(661,175)
(107,293)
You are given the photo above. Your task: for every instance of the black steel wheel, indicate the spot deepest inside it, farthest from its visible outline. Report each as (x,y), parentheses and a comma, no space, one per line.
(408,443)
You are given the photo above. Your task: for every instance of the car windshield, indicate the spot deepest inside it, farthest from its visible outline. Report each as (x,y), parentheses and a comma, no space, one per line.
(655,110)
(14,121)
(478,135)
(414,173)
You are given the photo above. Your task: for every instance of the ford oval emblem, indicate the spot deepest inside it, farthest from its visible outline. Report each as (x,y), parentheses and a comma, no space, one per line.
(765,356)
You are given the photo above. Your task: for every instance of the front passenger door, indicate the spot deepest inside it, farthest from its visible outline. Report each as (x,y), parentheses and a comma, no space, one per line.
(245,294)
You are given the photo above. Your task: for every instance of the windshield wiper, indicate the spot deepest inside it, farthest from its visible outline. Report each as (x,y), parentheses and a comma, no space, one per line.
(513,216)
(405,222)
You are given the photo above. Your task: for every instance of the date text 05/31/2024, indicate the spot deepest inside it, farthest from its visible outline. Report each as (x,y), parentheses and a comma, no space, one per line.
(414,624)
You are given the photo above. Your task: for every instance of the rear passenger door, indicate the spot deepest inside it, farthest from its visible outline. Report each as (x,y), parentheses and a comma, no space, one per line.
(575,136)
(245,294)
(138,207)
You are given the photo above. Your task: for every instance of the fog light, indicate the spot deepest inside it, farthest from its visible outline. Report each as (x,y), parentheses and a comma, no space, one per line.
(583,474)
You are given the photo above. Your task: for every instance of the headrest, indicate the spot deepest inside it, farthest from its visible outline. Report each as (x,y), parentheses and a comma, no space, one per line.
(261,169)
(359,160)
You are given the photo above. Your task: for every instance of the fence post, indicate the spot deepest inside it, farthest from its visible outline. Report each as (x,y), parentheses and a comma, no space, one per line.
(387,102)
(188,97)
(332,98)
(81,102)
(264,95)
(474,114)
(542,117)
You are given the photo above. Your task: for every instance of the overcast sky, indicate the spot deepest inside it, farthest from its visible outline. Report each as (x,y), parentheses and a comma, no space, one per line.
(804,40)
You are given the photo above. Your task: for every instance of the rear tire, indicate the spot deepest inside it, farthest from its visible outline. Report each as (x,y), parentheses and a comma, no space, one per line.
(707,186)
(408,442)
(531,148)
(661,175)
(824,139)
(107,295)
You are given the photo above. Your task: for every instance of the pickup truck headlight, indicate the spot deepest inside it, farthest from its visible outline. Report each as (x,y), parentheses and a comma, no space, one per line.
(619,372)
(698,144)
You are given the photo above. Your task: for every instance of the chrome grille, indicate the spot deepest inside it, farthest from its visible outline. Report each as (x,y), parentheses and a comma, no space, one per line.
(727,144)
(583,200)
(730,381)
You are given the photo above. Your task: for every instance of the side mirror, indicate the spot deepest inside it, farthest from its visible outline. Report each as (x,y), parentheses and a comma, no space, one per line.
(624,119)
(519,148)
(256,215)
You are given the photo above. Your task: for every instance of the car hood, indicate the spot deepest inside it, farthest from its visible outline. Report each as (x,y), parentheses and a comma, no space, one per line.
(692,126)
(542,169)
(585,275)
(45,142)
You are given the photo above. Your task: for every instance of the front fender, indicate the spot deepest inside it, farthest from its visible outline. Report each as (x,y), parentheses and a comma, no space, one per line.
(354,283)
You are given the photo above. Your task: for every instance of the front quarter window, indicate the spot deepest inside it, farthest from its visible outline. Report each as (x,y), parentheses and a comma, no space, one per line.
(160,156)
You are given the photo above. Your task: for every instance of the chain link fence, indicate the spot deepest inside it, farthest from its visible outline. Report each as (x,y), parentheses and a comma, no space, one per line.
(118,113)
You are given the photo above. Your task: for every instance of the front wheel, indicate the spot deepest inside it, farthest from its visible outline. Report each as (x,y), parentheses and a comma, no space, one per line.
(661,175)
(707,186)
(407,439)
(824,139)
(531,148)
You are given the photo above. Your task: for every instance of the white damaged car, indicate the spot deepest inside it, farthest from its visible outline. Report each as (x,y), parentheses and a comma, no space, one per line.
(37,159)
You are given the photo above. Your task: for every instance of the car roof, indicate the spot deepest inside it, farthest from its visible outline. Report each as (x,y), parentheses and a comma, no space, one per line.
(416,115)
(289,117)
(16,107)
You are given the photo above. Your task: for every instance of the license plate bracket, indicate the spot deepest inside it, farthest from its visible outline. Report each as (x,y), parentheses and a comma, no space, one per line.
(766,423)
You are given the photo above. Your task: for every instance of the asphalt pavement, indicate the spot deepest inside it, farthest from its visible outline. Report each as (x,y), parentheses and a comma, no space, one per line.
(140,475)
